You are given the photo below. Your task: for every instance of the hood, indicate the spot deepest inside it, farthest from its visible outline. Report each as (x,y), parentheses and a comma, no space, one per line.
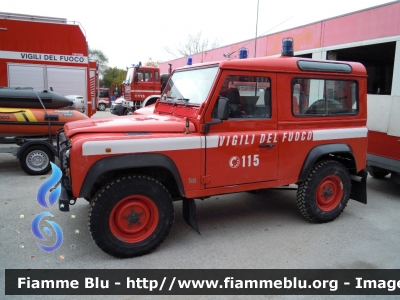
(131,123)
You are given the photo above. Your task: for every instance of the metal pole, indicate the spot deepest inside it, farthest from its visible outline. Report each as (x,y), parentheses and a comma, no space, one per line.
(255,42)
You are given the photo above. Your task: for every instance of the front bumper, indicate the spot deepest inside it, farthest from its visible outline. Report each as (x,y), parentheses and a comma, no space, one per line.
(66,196)
(117,109)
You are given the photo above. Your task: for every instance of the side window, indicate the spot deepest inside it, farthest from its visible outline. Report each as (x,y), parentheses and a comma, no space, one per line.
(324,97)
(139,76)
(103,93)
(156,76)
(147,76)
(249,96)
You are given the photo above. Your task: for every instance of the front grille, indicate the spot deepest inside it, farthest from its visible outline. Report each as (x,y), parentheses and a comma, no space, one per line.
(63,145)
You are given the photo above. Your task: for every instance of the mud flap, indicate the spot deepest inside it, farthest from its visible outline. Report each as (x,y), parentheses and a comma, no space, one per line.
(359,187)
(63,200)
(189,213)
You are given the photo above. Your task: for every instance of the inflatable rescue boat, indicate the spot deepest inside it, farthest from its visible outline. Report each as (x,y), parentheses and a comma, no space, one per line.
(15,121)
(27,97)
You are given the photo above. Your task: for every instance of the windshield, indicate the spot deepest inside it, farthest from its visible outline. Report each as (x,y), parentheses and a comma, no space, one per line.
(129,75)
(192,86)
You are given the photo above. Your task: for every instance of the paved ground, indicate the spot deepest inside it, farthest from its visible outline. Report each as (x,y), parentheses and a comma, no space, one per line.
(237,231)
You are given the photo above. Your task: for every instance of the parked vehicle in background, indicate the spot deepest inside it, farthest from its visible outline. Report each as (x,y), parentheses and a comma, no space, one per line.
(384,136)
(78,103)
(46,53)
(29,119)
(103,98)
(117,108)
(142,87)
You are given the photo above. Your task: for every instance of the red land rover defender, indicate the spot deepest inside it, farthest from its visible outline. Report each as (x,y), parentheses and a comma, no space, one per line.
(219,128)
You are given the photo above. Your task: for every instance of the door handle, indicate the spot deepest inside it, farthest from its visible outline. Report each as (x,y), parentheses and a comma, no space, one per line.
(267,145)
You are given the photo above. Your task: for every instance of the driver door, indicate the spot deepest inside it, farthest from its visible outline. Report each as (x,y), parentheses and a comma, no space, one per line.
(244,148)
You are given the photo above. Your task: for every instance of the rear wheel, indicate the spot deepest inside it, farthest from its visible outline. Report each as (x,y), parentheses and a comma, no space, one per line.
(102,107)
(131,216)
(325,193)
(378,175)
(35,160)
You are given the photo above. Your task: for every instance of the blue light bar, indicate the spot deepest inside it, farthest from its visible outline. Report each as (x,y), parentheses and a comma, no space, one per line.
(243,52)
(287,47)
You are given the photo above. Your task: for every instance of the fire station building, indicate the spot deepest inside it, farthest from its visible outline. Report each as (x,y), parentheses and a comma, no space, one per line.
(370,36)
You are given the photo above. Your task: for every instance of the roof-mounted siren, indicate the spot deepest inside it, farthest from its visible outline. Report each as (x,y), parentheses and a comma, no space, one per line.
(243,53)
(189,61)
(287,47)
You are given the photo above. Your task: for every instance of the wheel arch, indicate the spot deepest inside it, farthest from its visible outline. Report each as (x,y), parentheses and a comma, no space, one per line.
(25,145)
(158,166)
(339,152)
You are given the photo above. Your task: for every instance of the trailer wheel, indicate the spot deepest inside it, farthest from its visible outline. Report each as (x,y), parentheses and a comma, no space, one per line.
(131,216)
(378,175)
(102,107)
(35,160)
(324,194)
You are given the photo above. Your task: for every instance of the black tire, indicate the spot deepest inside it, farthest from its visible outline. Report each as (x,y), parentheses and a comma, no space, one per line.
(125,113)
(131,216)
(324,194)
(35,160)
(378,175)
(102,107)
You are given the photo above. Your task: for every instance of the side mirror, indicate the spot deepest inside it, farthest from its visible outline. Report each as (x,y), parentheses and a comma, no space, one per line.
(222,113)
(223,108)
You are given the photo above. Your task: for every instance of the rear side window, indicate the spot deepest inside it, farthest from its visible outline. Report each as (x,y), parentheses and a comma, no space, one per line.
(324,97)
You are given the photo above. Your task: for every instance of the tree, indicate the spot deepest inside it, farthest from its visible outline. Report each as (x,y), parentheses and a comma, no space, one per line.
(152,63)
(113,75)
(195,44)
(101,58)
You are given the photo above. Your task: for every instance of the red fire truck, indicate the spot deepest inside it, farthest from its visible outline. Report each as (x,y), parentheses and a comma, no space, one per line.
(43,53)
(103,98)
(142,87)
(206,137)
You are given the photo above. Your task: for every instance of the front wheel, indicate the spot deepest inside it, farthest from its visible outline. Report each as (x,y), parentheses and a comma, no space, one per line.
(131,216)
(128,111)
(35,160)
(324,194)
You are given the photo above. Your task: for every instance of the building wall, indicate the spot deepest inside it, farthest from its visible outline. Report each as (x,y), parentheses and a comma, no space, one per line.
(374,25)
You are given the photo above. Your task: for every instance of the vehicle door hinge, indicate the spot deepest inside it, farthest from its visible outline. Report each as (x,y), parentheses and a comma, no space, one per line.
(205,179)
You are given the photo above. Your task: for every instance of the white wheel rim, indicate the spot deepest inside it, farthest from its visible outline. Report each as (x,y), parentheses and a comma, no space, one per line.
(37,160)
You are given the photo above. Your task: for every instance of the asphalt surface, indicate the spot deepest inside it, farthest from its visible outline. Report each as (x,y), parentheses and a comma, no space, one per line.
(238,231)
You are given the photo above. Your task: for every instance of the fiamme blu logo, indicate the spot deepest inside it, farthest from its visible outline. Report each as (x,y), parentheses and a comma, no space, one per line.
(53,189)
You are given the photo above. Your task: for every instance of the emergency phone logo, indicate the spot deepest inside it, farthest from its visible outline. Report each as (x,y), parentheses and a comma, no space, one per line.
(51,185)
(234,162)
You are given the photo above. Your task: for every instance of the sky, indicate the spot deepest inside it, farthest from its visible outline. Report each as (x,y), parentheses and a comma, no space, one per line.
(131,31)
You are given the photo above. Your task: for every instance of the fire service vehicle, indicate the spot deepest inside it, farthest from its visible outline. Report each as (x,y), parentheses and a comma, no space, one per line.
(103,98)
(142,87)
(298,121)
(46,80)
(47,53)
